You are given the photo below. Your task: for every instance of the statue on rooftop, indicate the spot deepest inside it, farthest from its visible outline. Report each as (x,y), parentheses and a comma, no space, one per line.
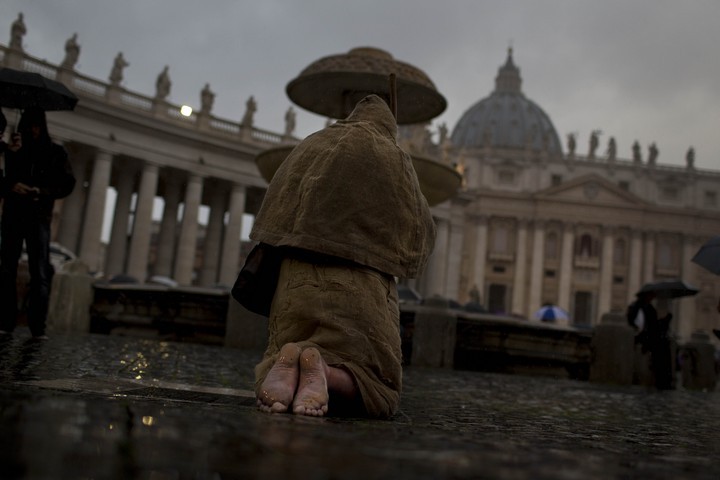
(611,150)
(637,155)
(443,133)
(72,52)
(289,122)
(571,144)
(690,158)
(17,32)
(250,109)
(163,84)
(116,74)
(594,142)
(652,154)
(207,98)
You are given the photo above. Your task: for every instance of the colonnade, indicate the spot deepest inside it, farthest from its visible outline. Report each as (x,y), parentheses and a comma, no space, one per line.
(129,251)
(613,285)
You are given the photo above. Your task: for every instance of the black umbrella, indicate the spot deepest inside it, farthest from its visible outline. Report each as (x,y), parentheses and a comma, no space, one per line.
(708,256)
(670,289)
(19,89)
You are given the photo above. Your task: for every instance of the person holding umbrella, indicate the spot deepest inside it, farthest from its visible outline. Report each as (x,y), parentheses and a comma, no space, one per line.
(37,172)
(654,333)
(653,336)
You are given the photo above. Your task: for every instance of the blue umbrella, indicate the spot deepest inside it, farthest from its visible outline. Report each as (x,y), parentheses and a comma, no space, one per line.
(551,313)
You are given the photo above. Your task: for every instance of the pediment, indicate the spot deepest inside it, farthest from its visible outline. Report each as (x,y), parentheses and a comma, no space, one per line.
(590,188)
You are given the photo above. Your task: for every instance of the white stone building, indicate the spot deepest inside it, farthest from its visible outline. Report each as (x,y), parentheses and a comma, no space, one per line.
(531,225)
(536,225)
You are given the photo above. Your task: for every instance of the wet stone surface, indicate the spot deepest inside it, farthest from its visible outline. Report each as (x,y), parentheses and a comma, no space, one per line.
(113,407)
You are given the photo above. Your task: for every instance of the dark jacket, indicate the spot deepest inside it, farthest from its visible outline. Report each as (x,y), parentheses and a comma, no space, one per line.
(45,166)
(655,329)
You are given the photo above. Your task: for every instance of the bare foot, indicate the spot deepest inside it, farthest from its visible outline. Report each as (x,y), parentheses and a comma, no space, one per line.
(278,389)
(312,395)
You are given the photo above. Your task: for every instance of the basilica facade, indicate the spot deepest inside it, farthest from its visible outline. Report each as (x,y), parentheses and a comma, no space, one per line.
(536,224)
(533,223)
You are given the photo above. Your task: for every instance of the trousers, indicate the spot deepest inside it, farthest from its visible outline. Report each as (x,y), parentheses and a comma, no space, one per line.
(35,233)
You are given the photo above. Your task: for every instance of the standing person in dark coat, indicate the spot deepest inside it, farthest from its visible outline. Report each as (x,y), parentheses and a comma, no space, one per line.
(653,336)
(37,172)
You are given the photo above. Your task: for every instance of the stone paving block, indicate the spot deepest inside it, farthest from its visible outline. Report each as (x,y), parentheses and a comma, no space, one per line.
(94,406)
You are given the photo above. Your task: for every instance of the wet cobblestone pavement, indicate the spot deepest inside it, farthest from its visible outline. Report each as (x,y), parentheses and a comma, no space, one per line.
(102,407)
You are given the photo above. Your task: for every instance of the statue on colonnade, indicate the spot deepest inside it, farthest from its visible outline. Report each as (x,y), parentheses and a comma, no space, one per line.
(653,154)
(289,122)
(690,158)
(250,109)
(116,74)
(17,32)
(637,155)
(163,84)
(72,53)
(207,98)
(611,150)
(594,142)
(571,144)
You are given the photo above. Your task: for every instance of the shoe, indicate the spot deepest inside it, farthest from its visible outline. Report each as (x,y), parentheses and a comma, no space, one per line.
(40,338)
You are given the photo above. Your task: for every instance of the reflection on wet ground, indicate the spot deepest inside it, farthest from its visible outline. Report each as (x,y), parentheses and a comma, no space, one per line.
(113,407)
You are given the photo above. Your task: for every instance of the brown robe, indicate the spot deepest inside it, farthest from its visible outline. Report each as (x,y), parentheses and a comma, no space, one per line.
(348,191)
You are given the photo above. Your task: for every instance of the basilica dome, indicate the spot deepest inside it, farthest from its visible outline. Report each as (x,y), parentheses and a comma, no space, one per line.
(506,119)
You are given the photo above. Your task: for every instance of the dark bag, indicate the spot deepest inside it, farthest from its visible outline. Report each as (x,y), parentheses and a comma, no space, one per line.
(255,286)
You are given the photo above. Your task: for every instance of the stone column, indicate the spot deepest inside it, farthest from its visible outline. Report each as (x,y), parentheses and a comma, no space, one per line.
(536,273)
(606,271)
(634,273)
(566,267)
(95,210)
(117,249)
(436,272)
(649,260)
(168,225)
(213,237)
(72,209)
(519,305)
(187,242)
(481,246)
(685,323)
(455,253)
(142,224)
(231,239)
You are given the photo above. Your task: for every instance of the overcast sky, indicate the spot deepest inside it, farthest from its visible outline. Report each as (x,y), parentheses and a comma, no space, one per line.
(646,70)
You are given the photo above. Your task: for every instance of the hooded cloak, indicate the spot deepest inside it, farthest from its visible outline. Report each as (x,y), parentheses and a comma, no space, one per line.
(350,191)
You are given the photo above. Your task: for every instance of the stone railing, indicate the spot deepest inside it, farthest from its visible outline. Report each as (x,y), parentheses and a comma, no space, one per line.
(141,105)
